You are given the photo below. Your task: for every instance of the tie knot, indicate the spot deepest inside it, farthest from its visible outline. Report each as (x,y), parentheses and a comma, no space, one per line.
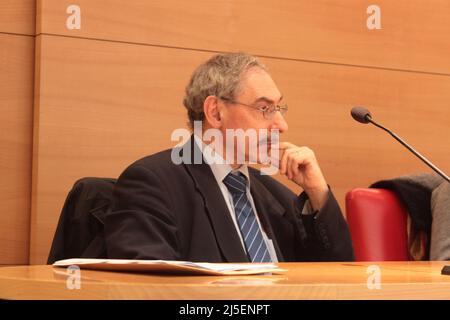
(236,184)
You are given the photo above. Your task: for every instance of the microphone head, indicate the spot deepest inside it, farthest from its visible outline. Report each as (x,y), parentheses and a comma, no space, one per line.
(361,114)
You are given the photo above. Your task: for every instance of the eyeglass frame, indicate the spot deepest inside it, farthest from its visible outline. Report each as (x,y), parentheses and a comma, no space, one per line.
(277,108)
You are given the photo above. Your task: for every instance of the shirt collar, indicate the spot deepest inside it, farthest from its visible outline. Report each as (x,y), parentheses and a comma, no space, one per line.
(217,164)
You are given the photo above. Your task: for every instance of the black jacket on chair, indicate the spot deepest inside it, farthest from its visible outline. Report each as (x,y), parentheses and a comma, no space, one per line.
(79,233)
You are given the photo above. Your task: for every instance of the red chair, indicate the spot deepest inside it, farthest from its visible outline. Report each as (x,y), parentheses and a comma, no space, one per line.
(378,225)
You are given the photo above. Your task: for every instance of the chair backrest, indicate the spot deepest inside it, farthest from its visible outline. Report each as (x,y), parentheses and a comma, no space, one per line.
(79,233)
(378,225)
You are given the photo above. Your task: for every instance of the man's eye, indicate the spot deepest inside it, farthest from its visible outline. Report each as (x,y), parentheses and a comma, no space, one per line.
(264,108)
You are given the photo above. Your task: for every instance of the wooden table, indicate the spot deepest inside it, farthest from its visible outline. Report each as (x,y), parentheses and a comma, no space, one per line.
(357,280)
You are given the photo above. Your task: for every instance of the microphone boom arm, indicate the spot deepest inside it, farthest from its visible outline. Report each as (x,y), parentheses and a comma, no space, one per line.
(421,157)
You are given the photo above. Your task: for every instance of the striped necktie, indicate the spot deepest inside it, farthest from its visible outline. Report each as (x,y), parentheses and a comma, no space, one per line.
(249,227)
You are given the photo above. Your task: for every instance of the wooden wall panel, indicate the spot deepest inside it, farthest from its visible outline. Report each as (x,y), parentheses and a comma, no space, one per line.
(415,106)
(414,34)
(111,92)
(102,105)
(16,101)
(17,27)
(18,16)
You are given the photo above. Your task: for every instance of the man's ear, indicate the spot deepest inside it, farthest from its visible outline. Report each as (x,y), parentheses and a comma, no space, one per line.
(211,109)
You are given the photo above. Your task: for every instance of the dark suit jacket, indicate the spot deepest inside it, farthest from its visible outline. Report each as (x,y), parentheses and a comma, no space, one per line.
(177,212)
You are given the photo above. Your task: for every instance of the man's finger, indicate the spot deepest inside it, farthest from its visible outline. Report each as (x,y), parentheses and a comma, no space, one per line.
(288,154)
(283,162)
(295,168)
(284,145)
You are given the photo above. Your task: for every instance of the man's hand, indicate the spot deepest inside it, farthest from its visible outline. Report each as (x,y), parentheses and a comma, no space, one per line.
(299,164)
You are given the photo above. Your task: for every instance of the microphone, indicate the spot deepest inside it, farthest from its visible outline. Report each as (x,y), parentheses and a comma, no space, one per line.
(363,115)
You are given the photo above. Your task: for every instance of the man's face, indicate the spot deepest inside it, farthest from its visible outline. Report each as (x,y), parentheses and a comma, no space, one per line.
(257,90)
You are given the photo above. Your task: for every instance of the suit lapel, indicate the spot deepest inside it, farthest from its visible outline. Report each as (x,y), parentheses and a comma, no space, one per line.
(216,208)
(268,208)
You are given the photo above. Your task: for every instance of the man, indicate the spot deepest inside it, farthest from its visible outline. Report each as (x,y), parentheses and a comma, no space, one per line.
(225,211)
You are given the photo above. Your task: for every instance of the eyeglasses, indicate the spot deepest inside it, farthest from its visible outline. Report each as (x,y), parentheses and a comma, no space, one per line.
(267,110)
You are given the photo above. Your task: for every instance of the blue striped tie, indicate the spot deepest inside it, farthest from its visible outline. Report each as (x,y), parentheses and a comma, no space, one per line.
(254,242)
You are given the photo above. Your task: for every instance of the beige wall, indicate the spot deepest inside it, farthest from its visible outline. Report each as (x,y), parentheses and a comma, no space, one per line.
(111,92)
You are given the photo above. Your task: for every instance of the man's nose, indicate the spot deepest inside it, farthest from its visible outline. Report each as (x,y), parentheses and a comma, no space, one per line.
(278,122)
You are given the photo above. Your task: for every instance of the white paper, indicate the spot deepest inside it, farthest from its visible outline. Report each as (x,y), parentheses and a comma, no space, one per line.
(170,265)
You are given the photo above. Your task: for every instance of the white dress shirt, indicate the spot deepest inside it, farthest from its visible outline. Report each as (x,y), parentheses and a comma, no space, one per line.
(220,170)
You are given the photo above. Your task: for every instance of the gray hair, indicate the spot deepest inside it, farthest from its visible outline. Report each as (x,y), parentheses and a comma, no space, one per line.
(220,76)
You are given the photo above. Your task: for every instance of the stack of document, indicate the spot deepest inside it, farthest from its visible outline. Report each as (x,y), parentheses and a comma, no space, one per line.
(172,267)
